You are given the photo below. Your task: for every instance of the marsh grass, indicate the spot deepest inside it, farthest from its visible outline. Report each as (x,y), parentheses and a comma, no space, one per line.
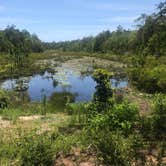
(28,67)
(14,114)
(37,148)
(59,100)
(78,112)
(11,114)
(39,141)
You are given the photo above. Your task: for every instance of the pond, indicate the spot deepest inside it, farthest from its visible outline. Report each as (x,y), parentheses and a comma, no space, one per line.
(65,79)
(82,86)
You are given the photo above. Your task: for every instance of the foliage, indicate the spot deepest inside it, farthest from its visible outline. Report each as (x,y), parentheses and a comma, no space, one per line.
(11,114)
(111,127)
(36,149)
(8,151)
(151,33)
(122,117)
(113,147)
(150,38)
(159,115)
(59,100)
(150,79)
(103,88)
(78,112)
(113,133)
(44,104)
(125,116)
(18,44)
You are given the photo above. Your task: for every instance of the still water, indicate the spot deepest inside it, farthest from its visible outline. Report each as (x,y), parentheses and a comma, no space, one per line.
(82,86)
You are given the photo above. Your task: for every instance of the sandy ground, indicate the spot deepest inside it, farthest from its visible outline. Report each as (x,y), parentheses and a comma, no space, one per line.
(33,117)
(4,123)
(37,122)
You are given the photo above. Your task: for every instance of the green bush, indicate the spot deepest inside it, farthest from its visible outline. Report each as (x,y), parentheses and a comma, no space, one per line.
(159,115)
(146,126)
(122,117)
(78,112)
(115,149)
(8,151)
(58,101)
(103,88)
(36,149)
(110,132)
(149,79)
(126,111)
(11,114)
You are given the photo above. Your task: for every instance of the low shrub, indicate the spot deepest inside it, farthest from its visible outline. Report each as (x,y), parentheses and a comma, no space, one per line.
(58,101)
(78,112)
(149,79)
(122,117)
(159,115)
(36,149)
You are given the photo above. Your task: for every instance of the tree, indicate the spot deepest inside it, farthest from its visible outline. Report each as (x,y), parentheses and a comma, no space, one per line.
(100,40)
(36,44)
(151,35)
(103,88)
(18,44)
(19,47)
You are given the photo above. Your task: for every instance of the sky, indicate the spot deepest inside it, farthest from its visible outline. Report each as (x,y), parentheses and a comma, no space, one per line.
(60,20)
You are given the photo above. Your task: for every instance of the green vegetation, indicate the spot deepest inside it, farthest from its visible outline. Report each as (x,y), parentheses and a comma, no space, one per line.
(110,128)
(143,49)
(15,48)
(150,75)
(103,89)
(59,101)
(159,115)
(149,39)
(18,43)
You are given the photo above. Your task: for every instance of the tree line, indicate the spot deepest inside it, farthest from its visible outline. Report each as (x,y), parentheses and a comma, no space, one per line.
(18,44)
(148,39)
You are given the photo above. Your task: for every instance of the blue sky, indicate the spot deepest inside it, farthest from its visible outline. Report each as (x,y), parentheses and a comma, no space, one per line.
(59,20)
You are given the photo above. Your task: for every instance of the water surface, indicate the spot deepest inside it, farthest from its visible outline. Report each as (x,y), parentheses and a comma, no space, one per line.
(82,86)
(67,78)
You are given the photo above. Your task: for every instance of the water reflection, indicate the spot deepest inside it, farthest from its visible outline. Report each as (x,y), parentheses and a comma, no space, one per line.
(58,100)
(65,81)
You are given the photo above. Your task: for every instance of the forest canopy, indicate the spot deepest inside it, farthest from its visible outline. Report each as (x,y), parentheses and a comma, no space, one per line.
(13,40)
(149,38)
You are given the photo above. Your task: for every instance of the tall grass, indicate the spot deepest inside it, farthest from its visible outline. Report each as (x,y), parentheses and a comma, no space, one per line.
(78,112)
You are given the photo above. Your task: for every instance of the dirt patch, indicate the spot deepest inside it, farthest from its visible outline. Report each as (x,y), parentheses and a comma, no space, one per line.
(144,103)
(33,117)
(77,158)
(4,123)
